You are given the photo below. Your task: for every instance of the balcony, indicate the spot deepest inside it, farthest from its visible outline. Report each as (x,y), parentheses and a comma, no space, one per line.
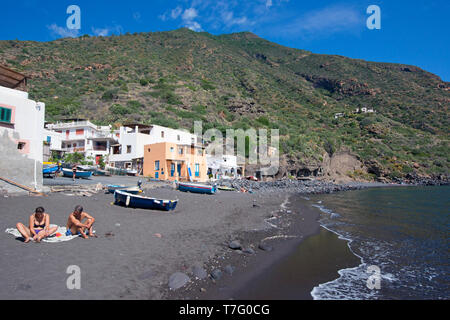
(73,150)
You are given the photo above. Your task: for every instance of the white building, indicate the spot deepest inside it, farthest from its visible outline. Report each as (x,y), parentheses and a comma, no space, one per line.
(339,115)
(21,132)
(364,110)
(128,152)
(52,144)
(221,166)
(84,137)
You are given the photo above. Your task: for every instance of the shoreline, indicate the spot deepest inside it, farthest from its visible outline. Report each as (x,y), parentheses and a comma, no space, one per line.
(251,271)
(253,267)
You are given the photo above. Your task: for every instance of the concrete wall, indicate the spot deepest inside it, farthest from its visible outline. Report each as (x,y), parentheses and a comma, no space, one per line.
(23,166)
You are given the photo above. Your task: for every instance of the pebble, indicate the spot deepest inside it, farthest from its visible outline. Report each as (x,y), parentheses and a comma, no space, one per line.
(178,280)
(216,274)
(199,272)
(235,245)
(229,269)
(248,251)
(265,247)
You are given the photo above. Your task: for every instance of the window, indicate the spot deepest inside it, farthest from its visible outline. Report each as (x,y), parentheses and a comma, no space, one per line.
(148,149)
(180,150)
(178,137)
(79,132)
(21,145)
(5,115)
(157,165)
(200,152)
(128,149)
(49,139)
(162,134)
(171,149)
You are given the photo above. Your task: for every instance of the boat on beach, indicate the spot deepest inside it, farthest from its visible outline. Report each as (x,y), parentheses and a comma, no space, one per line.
(79,174)
(50,170)
(130,189)
(141,202)
(196,188)
(225,188)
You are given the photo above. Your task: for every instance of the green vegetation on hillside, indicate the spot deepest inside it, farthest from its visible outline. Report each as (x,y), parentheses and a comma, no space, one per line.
(242,81)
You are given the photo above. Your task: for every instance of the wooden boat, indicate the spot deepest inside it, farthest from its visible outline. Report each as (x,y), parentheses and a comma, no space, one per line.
(50,171)
(141,202)
(100,172)
(133,189)
(131,172)
(225,188)
(196,188)
(79,174)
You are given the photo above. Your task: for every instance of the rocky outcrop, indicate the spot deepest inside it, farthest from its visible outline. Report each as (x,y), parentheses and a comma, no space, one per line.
(244,106)
(347,87)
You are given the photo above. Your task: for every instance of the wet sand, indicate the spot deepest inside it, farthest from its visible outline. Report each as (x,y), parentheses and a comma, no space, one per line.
(132,262)
(313,255)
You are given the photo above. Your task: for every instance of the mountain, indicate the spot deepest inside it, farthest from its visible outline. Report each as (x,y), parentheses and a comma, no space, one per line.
(241,80)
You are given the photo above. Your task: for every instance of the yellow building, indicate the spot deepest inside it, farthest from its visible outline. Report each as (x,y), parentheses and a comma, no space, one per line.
(171,161)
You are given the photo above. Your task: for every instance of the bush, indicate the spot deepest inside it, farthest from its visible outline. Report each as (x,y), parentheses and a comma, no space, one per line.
(118,109)
(110,95)
(205,84)
(143,82)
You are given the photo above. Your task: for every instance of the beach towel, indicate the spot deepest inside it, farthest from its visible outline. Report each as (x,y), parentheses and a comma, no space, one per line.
(58,236)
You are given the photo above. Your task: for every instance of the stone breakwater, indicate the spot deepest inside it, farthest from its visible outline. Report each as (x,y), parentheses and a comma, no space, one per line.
(291,185)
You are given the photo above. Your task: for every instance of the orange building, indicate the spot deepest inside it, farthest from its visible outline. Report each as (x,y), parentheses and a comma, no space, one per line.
(171,161)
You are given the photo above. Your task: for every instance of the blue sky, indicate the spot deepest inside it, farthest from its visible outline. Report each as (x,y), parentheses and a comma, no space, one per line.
(412,32)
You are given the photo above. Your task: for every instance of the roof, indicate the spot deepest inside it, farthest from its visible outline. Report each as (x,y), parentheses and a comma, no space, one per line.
(11,79)
(133,125)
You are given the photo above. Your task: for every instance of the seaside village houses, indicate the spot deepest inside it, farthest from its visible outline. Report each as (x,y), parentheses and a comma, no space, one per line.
(150,150)
(21,134)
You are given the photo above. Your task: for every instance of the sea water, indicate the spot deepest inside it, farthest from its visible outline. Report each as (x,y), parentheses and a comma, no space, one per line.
(402,231)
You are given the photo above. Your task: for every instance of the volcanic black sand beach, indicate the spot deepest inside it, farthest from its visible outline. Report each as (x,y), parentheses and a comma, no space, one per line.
(138,250)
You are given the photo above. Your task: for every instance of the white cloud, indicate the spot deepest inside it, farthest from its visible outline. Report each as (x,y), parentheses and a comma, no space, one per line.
(100,32)
(103,32)
(327,21)
(194,26)
(269,3)
(62,32)
(188,19)
(189,14)
(230,20)
(175,13)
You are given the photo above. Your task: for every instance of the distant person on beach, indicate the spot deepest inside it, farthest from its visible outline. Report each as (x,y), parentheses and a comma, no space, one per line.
(80,223)
(74,171)
(39,226)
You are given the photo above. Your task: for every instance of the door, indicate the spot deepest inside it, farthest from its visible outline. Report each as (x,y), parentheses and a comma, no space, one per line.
(172,169)
(179,169)
(157,175)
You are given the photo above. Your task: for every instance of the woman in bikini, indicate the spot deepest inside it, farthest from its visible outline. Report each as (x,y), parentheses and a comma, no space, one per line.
(39,226)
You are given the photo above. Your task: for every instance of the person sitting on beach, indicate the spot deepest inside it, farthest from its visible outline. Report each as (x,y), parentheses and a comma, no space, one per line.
(75,224)
(39,226)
